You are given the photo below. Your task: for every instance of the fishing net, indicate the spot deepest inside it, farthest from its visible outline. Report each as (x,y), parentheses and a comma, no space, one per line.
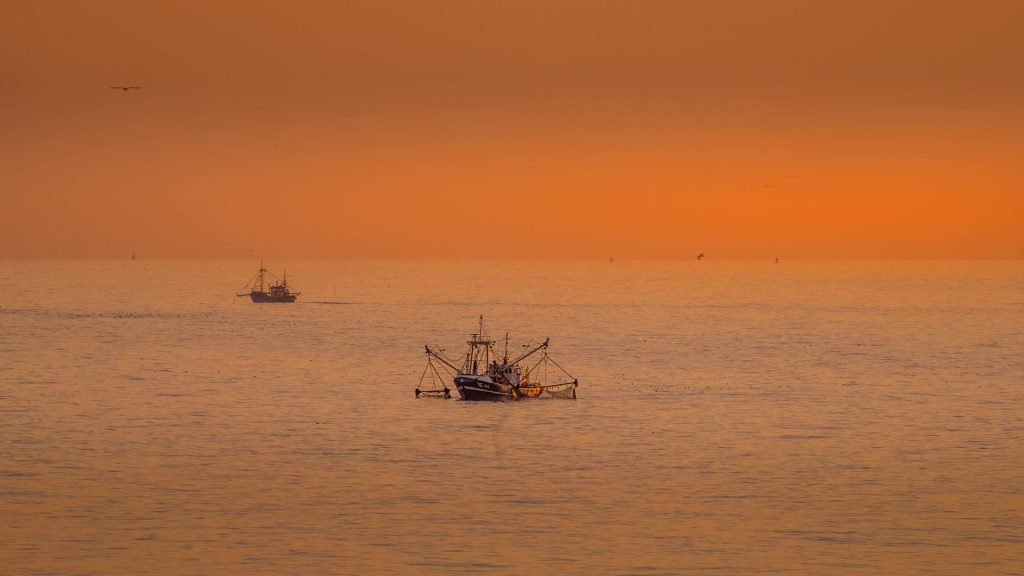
(547,379)
(445,393)
(564,390)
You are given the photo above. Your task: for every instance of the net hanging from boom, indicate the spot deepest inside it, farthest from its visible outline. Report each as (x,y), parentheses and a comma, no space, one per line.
(543,381)
(432,383)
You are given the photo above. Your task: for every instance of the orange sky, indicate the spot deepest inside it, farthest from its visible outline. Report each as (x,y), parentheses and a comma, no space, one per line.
(744,129)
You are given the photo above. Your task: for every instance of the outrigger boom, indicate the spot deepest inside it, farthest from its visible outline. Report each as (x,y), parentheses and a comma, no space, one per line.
(440,358)
(531,352)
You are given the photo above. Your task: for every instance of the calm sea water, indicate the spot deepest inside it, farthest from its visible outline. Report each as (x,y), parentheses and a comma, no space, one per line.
(733,418)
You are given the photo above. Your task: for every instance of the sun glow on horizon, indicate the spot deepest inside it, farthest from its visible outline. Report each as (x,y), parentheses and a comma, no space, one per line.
(456,130)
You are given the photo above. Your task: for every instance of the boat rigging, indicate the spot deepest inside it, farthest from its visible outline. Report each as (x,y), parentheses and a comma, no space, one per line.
(481,374)
(261,290)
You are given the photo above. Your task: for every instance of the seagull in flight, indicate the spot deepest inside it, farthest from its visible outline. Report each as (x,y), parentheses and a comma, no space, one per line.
(126,88)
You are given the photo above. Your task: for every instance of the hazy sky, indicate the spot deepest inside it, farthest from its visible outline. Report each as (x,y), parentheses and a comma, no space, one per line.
(555,128)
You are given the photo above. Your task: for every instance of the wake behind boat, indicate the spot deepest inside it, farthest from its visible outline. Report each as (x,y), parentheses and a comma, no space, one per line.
(276,293)
(484,375)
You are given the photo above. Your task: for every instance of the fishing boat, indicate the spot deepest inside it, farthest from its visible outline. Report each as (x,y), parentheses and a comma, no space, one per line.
(482,374)
(263,290)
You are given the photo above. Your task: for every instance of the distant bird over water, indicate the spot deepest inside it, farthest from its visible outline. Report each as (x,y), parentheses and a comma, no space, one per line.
(700,256)
(126,88)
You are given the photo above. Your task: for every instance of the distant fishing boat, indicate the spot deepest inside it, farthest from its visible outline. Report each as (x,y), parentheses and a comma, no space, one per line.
(275,293)
(484,375)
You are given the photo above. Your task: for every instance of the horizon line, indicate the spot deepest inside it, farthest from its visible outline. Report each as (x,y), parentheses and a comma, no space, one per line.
(607,259)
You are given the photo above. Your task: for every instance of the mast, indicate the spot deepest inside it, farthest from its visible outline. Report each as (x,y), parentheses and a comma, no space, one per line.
(261,274)
(474,356)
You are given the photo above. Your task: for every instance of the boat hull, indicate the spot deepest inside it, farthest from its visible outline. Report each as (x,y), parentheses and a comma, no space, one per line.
(263,297)
(477,388)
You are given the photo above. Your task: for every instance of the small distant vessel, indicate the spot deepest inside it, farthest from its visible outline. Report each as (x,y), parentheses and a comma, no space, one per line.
(484,375)
(277,292)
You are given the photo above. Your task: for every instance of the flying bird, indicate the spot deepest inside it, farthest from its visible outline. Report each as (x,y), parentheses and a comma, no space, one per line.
(700,256)
(126,88)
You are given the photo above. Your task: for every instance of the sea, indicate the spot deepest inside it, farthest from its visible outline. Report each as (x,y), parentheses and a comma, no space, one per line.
(733,418)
